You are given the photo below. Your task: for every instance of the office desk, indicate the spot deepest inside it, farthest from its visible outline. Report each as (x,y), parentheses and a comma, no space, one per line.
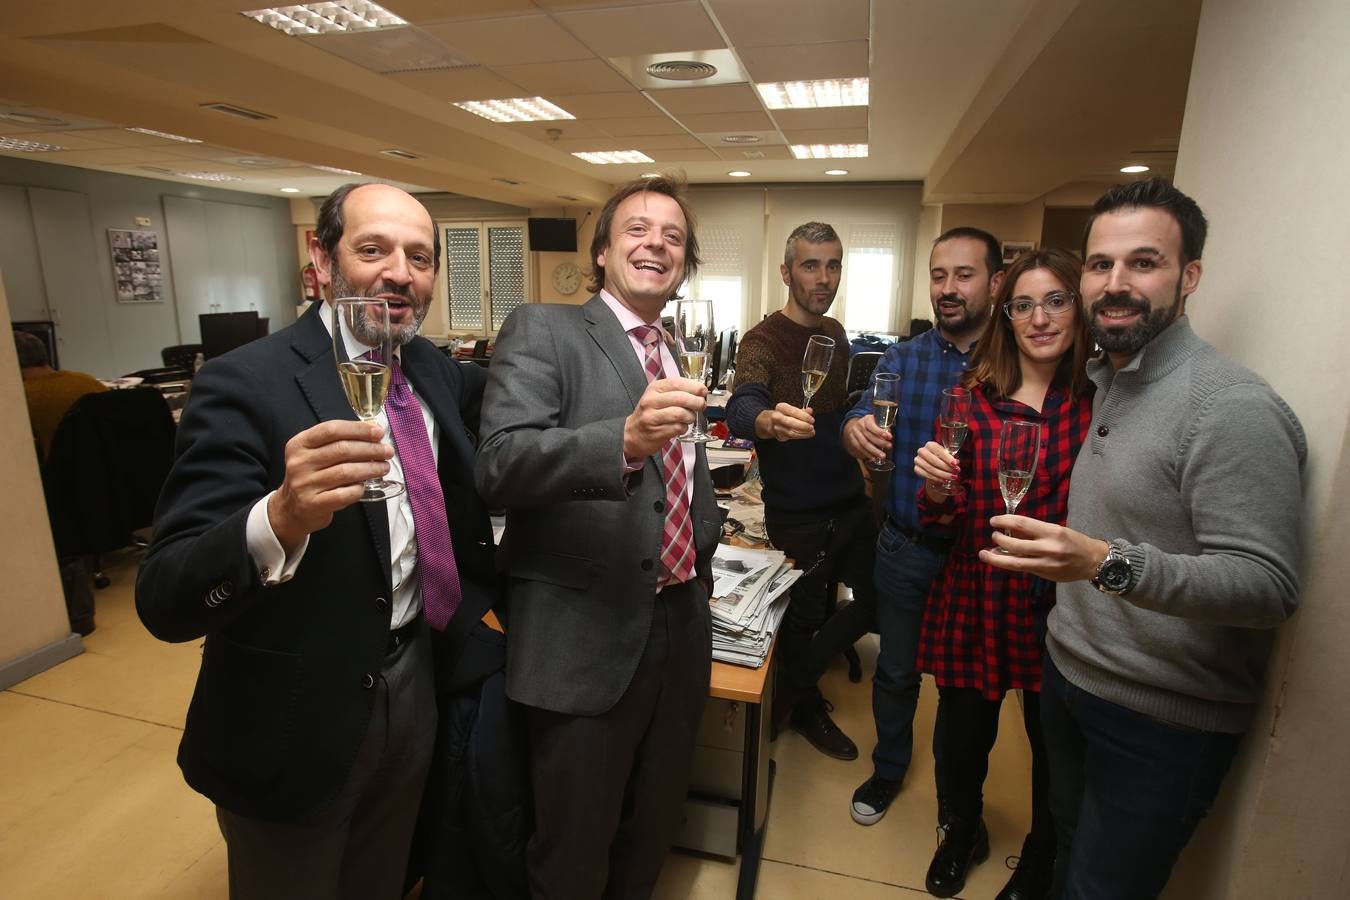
(732,774)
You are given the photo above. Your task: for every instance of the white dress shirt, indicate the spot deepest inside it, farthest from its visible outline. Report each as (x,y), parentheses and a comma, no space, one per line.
(275,567)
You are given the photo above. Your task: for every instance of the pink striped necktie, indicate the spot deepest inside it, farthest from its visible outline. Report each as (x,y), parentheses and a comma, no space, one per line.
(677,544)
(431,529)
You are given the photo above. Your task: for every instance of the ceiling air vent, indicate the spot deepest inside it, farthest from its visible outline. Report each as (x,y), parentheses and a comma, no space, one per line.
(753,154)
(238,111)
(681,70)
(741,139)
(400,154)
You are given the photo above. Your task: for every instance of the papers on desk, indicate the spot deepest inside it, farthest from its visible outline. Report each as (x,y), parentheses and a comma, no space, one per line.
(720,455)
(749,599)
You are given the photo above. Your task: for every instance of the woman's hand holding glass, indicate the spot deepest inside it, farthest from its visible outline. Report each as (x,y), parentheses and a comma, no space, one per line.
(938,468)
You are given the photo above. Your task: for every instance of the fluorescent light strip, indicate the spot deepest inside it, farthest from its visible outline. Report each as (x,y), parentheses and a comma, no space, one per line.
(326,18)
(336,171)
(165,135)
(516,109)
(22,146)
(605,157)
(829,151)
(208,176)
(814,94)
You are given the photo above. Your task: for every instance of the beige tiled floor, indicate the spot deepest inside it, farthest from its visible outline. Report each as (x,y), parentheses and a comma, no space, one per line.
(92,803)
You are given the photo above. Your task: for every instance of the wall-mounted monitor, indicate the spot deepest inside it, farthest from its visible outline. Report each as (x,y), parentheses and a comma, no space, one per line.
(557,235)
(222,332)
(44,331)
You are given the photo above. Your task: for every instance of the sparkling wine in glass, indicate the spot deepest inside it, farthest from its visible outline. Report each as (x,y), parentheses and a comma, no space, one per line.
(953,426)
(691,345)
(363,348)
(816,365)
(885,405)
(1019,449)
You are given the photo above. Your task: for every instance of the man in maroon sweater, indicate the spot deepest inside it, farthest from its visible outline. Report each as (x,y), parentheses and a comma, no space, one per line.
(814,506)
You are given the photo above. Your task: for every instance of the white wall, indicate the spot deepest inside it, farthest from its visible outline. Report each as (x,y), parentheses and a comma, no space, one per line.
(1263,152)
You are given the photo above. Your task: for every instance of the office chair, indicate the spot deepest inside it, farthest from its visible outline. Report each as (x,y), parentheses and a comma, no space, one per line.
(180,356)
(861,365)
(108,460)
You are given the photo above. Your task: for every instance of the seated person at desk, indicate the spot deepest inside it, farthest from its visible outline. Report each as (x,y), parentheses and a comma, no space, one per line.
(815,510)
(50,395)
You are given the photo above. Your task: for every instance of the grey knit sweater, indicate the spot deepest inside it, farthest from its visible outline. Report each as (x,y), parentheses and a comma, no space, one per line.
(1194,463)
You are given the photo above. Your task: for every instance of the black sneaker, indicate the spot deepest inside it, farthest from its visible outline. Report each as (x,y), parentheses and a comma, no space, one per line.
(872,798)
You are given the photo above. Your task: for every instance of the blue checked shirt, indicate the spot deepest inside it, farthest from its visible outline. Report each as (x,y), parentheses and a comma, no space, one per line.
(927,364)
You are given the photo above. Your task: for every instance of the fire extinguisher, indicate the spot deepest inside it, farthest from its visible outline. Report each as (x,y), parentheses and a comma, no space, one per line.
(309,277)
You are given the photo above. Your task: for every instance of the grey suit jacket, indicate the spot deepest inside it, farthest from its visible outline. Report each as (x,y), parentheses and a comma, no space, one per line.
(582,542)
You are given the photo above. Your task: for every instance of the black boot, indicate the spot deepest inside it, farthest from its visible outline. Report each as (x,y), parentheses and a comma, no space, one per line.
(812,721)
(1033,874)
(964,844)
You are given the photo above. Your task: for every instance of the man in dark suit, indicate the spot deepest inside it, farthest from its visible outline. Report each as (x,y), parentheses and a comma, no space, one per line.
(313,719)
(610,529)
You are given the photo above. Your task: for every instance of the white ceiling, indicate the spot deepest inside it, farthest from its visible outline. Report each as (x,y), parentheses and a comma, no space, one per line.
(982,101)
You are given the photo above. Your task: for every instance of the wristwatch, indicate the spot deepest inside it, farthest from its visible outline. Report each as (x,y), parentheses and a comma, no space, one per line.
(1115,572)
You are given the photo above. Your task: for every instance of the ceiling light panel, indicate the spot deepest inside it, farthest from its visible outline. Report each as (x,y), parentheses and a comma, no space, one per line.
(22,146)
(208,176)
(335,170)
(516,109)
(814,94)
(326,18)
(829,151)
(607,157)
(165,135)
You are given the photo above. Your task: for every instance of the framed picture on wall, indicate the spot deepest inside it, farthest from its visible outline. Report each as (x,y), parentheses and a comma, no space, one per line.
(1014,249)
(136,267)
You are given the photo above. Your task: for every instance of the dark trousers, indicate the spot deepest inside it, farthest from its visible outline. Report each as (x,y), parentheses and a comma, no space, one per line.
(1127,791)
(904,572)
(969,729)
(356,846)
(609,790)
(832,550)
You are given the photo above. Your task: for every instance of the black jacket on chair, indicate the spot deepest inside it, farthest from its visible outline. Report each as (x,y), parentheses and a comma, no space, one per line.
(108,461)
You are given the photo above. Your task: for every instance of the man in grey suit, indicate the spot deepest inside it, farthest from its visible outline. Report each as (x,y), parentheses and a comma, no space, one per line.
(610,529)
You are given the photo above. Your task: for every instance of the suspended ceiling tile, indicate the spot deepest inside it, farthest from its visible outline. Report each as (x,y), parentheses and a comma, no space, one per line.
(751,154)
(589,76)
(803,62)
(726,98)
(510,41)
(570,128)
(579,145)
(772,23)
(666,142)
(673,156)
(563,5)
(408,49)
(826,136)
(440,10)
(655,28)
(475,83)
(835,117)
(611,105)
(718,122)
(112,157)
(646,125)
(124,138)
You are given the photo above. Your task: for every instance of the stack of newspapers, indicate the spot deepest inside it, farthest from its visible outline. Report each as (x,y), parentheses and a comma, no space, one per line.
(749,598)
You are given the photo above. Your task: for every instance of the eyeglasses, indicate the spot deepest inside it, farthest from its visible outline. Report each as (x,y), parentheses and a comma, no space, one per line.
(1055,304)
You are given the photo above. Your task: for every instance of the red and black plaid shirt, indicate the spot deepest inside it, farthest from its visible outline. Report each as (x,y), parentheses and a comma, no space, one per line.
(983,627)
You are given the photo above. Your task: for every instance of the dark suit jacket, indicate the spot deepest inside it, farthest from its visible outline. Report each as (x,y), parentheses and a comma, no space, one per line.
(282,700)
(582,542)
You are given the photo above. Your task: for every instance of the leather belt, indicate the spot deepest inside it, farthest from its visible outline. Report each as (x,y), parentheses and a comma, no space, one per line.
(402,635)
(927,541)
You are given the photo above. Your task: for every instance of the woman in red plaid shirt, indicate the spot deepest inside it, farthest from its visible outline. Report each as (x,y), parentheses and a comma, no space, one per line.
(983,628)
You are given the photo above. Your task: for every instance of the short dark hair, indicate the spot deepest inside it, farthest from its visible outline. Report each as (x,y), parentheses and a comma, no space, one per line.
(812,233)
(657,184)
(331,223)
(1156,193)
(993,250)
(30,350)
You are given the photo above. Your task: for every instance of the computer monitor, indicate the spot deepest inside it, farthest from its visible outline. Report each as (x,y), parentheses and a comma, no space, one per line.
(727,343)
(222,332)
(45,331)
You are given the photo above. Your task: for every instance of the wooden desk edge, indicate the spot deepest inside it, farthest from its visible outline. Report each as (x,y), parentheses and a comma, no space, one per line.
(732,682)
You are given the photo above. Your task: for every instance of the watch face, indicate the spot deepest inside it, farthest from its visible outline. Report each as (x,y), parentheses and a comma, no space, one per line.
(1115,574)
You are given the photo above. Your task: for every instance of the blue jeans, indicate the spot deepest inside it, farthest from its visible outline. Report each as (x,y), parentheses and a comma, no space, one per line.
(1126,791)
(904,572)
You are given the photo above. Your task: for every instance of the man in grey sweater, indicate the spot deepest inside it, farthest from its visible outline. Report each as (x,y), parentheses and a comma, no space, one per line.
(1178,562)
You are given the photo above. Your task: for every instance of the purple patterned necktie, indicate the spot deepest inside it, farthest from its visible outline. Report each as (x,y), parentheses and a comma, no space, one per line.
(431,530)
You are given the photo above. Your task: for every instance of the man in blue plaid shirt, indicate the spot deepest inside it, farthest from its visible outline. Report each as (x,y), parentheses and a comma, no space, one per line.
(965,271)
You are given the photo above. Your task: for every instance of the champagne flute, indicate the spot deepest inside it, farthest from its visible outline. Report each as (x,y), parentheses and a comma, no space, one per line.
(815,365)
(1019,449)
(692,347)
(885,405)
(953,426)
(362,324)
